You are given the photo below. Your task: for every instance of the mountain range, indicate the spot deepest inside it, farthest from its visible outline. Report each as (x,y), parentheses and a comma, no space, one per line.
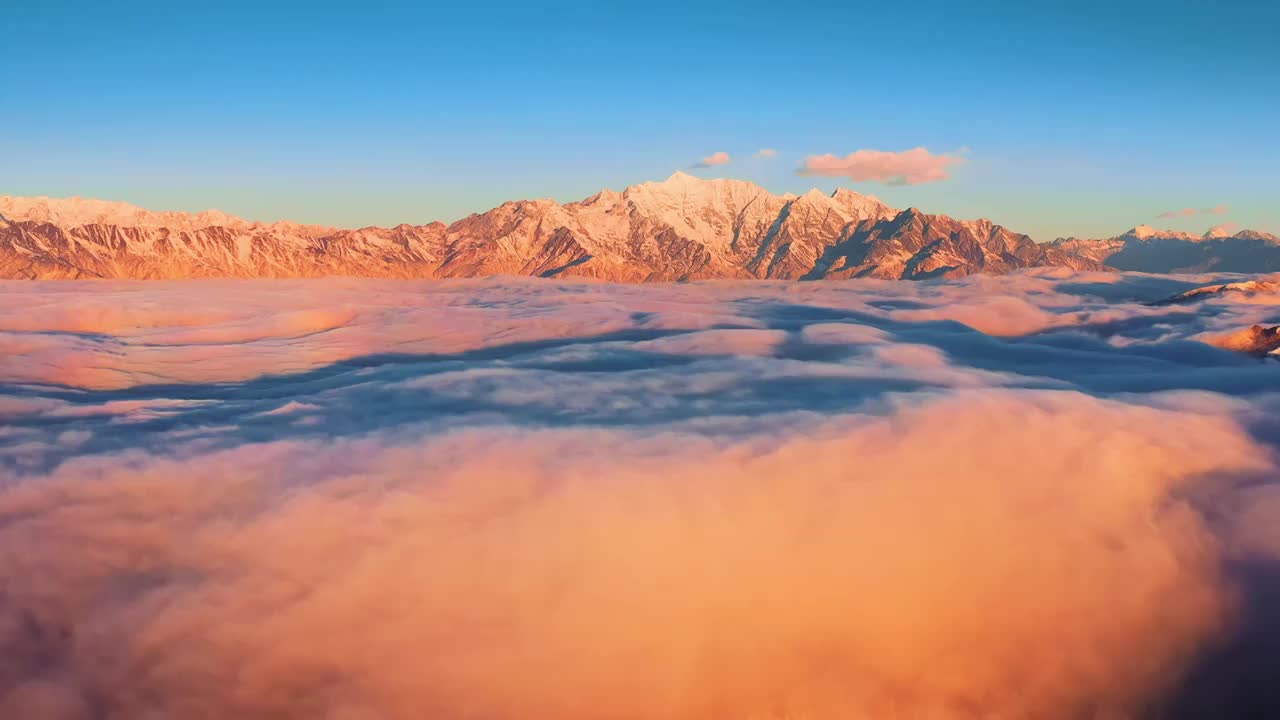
(1146,249)
(682,228)
(678,229)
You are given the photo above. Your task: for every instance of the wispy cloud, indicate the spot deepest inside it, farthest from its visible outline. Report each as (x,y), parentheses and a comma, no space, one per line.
(1191,212)
(909,167)
(712,160)
(766,153)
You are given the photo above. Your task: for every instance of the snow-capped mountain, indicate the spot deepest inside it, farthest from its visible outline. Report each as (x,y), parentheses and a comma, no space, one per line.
(681,228)
(1146,232)
(1147,249)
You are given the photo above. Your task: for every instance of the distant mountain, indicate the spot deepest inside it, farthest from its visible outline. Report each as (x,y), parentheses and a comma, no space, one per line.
(1147,249)
(678,229)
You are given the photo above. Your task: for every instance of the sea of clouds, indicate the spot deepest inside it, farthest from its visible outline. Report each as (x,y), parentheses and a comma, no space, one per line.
(1027,497)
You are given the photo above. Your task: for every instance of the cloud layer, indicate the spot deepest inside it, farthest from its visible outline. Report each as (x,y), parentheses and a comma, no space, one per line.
(909,167)
(1025,497)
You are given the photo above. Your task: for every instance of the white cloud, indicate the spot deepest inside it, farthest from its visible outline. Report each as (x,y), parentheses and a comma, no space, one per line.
(766,153)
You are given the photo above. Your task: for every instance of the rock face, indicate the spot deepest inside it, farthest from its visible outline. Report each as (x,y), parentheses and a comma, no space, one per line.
(682,228)
(1146,249)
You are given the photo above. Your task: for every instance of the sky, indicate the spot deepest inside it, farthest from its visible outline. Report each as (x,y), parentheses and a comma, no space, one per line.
(1054,118)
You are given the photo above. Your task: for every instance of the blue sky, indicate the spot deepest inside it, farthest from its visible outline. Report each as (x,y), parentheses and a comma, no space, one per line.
(1080,118)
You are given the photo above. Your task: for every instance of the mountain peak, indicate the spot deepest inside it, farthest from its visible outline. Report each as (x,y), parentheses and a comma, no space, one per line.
(1142,232)
(682,190)
(1146,232)
(847,194)
(681,177)
(859,204)
(1256,235)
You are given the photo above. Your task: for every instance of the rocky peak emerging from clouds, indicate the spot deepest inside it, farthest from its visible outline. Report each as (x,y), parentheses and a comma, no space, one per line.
(1245,288)
(1254,340)
(681,228)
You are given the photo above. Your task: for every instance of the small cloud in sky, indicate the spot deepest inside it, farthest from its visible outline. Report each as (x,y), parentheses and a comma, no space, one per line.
(766,153)
(712,160)
(1191,212)
(909,167)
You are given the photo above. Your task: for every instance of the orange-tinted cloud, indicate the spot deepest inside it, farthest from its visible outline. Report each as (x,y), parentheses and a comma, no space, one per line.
(909,167)
(712,160)
(572,500)
(1191,212)
(570,574)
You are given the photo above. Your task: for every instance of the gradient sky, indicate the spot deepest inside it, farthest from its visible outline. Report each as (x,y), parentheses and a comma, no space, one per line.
(1081,118)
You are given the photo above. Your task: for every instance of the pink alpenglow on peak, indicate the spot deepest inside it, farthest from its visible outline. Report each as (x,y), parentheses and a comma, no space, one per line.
(87,211)
(1146,232)
(78,212)
(909,167)
(1222,230)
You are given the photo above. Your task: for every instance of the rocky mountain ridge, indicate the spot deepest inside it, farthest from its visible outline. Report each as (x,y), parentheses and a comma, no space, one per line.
(1147,249)
(682,228)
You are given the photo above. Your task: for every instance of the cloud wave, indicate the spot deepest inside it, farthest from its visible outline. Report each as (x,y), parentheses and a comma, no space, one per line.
(1030,497)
